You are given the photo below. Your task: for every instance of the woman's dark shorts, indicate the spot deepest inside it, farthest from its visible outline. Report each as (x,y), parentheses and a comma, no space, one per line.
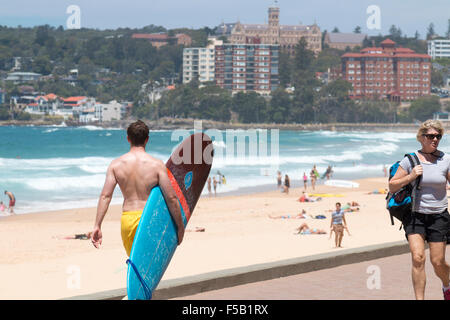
(434,227)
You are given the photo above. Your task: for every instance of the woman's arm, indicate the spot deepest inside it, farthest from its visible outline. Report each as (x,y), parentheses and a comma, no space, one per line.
(402,178)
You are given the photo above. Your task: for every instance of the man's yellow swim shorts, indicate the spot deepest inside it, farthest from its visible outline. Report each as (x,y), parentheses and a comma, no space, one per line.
(128,225)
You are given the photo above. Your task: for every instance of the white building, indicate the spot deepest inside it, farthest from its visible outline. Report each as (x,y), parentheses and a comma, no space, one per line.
(439,48)
(87,115)
(109,112)
(20,77)
(200,62)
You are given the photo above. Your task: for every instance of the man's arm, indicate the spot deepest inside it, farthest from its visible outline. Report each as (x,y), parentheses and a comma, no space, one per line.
(103,204)
(171,200)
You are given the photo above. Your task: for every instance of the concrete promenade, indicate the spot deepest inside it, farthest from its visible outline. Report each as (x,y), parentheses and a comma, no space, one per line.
(386,278)
(379,272)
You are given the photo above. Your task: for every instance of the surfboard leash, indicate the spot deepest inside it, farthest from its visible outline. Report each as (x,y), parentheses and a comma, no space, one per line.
(147,291)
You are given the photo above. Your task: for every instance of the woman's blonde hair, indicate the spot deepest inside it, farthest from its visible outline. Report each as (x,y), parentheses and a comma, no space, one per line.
(430,124)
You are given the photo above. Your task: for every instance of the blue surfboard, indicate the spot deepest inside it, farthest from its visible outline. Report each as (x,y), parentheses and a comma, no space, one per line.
(156,238)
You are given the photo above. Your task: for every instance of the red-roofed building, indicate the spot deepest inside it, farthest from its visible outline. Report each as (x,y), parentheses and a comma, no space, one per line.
(161,39)
(387,72)
(48,104)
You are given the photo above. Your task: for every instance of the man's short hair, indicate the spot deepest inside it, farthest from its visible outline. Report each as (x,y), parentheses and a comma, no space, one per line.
(137,133)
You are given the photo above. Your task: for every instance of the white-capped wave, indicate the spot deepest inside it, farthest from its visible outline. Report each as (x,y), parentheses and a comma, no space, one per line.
(363,135)
(95,128)
(50,130)
(53,163)
(94,169)
(219,144)
(63,183)
(221,159)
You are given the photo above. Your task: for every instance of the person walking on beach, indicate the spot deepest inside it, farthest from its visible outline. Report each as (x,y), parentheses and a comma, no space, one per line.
(209,186)
(430,220)
(312,177)
(305,180)
(338,224)
(287,184)
(136,173)
(12,201)
(279,179)
(215,186)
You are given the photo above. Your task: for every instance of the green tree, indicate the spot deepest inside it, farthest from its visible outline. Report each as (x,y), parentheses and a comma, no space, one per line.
(4,112)
(396,33)
(250,106)
(357,29)
(278,109)
(437,79)
(430,31)
(42,65)
(424,107)
(448,29)
(305,84)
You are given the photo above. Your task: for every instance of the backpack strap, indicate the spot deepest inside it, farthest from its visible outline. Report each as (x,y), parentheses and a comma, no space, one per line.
(414,161)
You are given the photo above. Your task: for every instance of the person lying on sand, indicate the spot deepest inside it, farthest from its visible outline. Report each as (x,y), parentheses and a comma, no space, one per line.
(197,229)
(81,236)
(304,229)
(319,216)
(379,191)
(301,215)
(305,198)
(348,207)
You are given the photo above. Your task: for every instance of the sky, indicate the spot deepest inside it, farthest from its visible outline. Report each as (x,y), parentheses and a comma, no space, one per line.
(409,15)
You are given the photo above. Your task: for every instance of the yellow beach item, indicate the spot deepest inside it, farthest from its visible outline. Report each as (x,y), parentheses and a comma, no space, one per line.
(128,225)
(326,195)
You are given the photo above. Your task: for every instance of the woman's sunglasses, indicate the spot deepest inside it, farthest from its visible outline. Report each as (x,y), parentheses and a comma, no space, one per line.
(432,136)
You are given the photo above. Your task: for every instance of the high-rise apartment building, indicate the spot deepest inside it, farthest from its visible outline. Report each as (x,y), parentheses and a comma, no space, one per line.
(247,67)
(199,63)
(387,72)
(439,48)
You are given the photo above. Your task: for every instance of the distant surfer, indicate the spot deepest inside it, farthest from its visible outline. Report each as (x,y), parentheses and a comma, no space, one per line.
(137,173)
(12,201)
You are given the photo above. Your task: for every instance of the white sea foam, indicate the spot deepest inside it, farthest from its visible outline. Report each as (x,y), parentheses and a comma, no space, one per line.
(63,183)
(24,207)
(222,159)
(50,130)
(94,169)
(219,144)
(90,128)
(384,136)
(53,163)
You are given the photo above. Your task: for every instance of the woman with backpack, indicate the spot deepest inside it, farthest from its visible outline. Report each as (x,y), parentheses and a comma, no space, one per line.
(430,220)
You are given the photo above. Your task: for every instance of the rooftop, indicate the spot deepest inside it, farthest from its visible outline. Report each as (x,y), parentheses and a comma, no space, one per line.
(346,37)
(382,53)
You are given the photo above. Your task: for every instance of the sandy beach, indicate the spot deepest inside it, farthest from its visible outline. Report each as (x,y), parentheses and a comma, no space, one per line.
(35,264)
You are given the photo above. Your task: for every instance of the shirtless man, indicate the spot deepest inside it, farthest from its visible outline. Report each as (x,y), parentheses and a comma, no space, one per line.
(12,201)
(137,173)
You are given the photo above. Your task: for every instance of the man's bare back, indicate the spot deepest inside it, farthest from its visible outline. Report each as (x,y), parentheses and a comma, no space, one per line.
(136,173)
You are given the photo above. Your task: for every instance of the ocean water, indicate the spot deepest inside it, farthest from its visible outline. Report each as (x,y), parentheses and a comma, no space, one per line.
(52,168)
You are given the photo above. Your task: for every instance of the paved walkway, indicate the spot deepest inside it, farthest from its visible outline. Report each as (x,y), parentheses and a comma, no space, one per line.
(381,279)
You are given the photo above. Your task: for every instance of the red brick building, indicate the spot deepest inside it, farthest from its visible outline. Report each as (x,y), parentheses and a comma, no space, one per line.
(247,67)
(161,39)
(387,72)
